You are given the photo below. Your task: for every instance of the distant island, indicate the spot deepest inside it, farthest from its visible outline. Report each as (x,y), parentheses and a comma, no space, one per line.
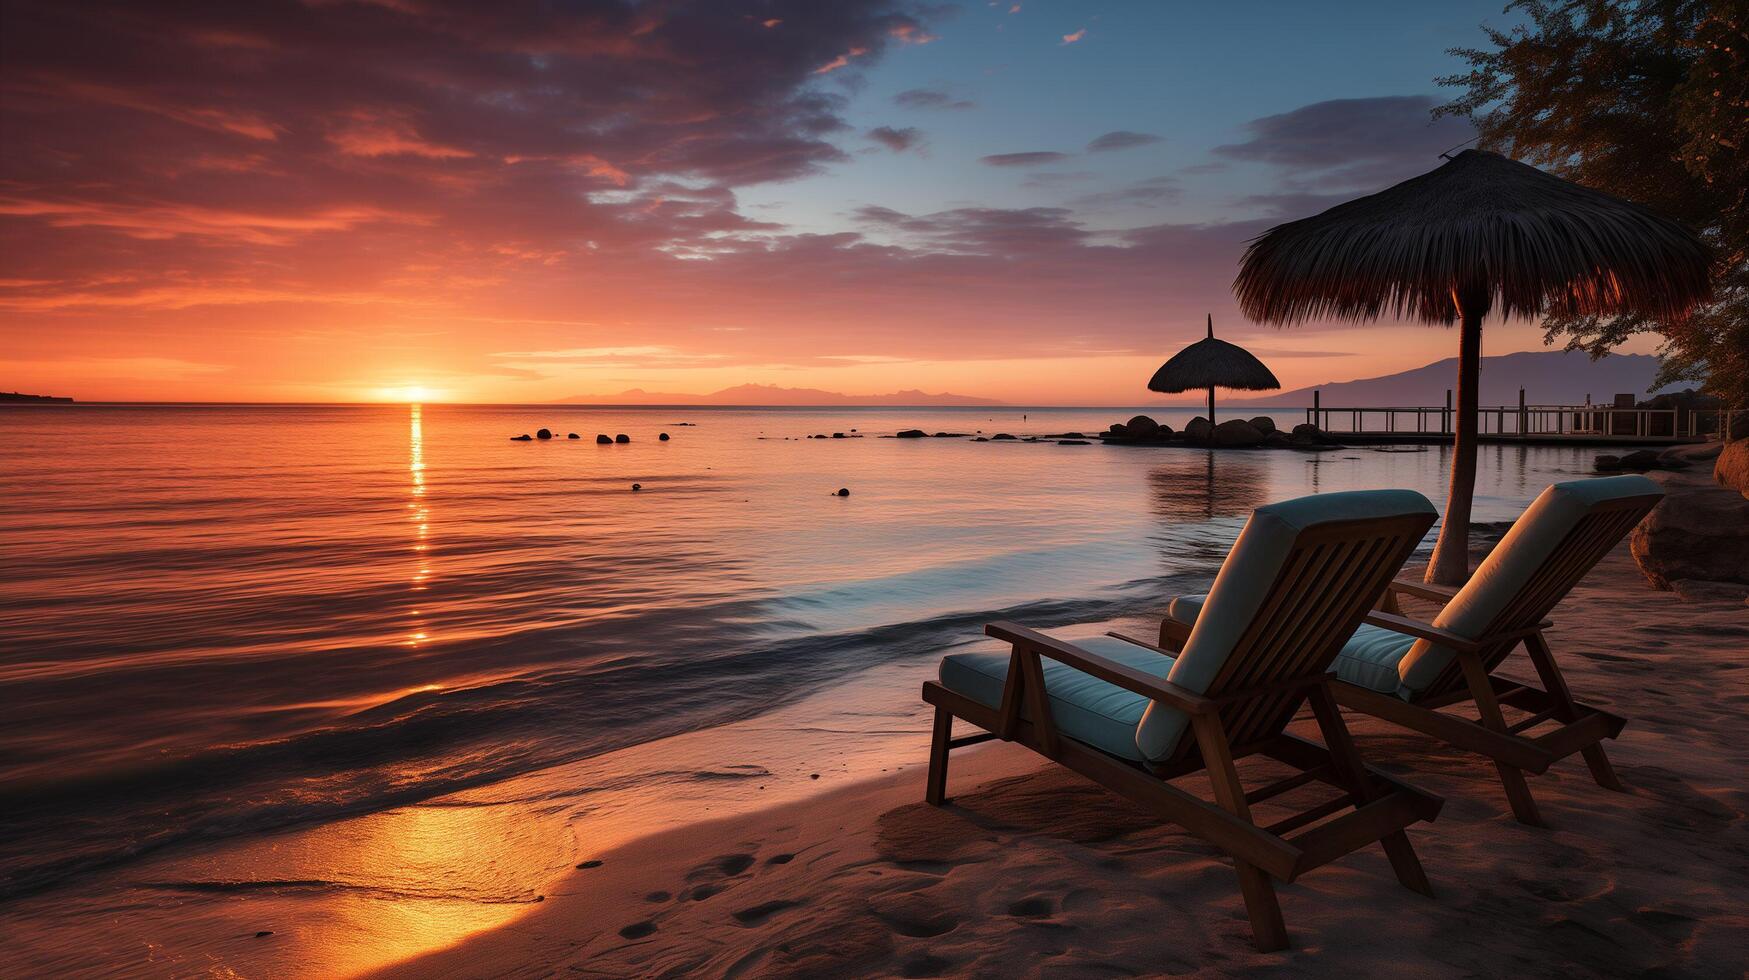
(16,397)
(1547,377)
(752,394)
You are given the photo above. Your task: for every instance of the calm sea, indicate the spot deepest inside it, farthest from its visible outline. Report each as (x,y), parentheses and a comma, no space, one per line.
(217,622)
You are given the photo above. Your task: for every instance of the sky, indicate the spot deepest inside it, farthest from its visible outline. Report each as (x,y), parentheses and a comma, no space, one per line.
(522,202)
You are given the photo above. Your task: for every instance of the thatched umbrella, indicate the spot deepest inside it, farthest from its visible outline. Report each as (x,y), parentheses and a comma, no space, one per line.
(1481,233)
(1211,364)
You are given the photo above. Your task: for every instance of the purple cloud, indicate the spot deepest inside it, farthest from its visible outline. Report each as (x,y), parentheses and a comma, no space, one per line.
(927,98)
(897,140)
(1035,158)
(1120,139)
(1352,143)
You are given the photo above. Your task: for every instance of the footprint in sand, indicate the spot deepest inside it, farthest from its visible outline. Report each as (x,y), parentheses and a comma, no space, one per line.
(759,913)
(1032,907)
(638,930)
(658,896)
(780,859)
(924,966)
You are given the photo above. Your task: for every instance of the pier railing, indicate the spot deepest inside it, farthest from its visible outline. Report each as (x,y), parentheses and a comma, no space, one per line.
(1576,422)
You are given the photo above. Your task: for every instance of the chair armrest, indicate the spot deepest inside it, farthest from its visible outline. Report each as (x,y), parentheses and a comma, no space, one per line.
(1109,671)
(1420,630)
(1144,644)
(1422,590)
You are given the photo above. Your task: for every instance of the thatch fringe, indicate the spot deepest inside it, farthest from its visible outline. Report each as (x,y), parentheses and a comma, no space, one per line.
(1478,226)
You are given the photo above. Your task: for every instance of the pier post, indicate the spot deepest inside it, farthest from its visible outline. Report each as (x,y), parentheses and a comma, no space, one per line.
(1521,415)
(1445,417)
(1317,418)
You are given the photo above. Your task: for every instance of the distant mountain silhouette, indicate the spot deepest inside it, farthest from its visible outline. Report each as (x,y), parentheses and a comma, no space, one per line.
(1547,377)
(751,394)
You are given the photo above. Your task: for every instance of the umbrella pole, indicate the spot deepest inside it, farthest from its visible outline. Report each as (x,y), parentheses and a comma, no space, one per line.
(1211,404)
(1450,564)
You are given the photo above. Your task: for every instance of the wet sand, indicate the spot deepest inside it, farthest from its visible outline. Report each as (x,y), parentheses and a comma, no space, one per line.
(1032,871)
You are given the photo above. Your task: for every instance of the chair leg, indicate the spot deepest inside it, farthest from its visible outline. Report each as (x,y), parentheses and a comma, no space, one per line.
(1352,771)
(1555,683)
(1268,931)
(935,792)
(1511,779)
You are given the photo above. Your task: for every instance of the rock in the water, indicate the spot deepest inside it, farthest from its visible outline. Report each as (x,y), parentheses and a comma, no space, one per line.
(912,433)
(622,438)
(604,439)
(1699,531)
(637,486)
(544,434)
(1118,429)
(981,439)
(1073,442)
(573,436)
(1640,460)
(1237,432)
(1199,429)
(1264,424)
(1605,463)
(1141,427)
(842,492)
(525,437)
(1307,432)
(1277,438)
(663,437)
(1074,435)
(839,435)
(1732,467)
(1001,435)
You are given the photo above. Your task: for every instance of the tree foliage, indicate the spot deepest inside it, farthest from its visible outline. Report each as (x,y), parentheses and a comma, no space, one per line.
(1647,100)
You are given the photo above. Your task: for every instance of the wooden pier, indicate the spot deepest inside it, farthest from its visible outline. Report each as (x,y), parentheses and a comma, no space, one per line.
(1599,425)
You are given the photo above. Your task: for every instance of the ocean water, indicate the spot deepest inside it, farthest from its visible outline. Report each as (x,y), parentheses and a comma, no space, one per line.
(220,625)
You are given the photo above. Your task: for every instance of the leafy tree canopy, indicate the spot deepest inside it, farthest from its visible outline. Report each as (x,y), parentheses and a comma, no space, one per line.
(1647,100)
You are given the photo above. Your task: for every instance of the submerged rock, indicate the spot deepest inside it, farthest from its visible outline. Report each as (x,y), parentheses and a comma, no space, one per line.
(1640,460)
(573,436)
(1001,435)
(911,433)
(1073,442)
(603,439)
(663,437)
(1606,463)
(842,492)
(544,434)
(637,486)
(622,438)
(525,437)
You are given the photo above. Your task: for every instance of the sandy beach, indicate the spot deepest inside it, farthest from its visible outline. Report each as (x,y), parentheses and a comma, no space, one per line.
(1032,871)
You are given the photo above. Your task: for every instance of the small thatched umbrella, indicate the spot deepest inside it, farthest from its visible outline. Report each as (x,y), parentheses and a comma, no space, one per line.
(1479,233)
(1211,364)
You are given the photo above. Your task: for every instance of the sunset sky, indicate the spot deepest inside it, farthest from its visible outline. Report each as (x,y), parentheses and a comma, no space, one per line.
(1029,201)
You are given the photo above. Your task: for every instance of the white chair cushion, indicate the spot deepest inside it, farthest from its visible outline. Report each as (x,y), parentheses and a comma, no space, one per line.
(1369,658)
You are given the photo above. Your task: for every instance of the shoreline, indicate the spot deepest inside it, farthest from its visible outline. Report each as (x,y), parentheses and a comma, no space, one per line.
(1031,869)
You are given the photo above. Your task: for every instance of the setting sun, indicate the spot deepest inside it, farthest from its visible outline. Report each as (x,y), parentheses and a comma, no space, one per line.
(406,393)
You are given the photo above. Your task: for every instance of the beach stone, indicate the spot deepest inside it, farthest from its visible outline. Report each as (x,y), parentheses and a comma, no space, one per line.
(1140,427)
(1606,463)
(842,492)
(525,437)
(637,486)
(1306,432)
(1732,467)
(1199,429)
(604,439)
(1001,435)
(544,434)
(912,434)
(1073,442)
(1117,429)
(981,439)
(573,436)
(839,435)
(1698,531)
(622,438)
(1237,432)
(1277,438)
(1264,424)
(663,437)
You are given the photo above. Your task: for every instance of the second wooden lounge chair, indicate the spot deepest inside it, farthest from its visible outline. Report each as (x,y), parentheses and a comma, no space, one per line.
(1403,670)
(1132,717)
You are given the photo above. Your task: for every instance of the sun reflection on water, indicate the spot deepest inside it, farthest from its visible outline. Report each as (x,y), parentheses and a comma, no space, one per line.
(421,514)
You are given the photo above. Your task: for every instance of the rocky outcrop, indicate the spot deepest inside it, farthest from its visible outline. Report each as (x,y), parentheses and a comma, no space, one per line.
(912,434)
(1140,427)
(544,434)
(1199,429)
(1732,467)
(1237,432)
(1699,532)
(1264,424)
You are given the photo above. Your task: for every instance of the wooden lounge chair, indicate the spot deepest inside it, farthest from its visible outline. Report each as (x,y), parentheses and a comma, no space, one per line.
(1403,670)
(1132,717)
